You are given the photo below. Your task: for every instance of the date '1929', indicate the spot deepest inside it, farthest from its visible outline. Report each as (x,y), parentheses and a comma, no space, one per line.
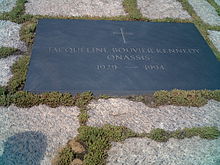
(106,67)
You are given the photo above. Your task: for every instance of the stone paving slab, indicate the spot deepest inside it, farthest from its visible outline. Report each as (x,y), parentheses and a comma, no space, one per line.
(75,8)
(218,2)
(141,151)
(7,5)
(9,35)
(5,69)
(159,9)
(205,11)
(140,118)
(58,125)
(215,38)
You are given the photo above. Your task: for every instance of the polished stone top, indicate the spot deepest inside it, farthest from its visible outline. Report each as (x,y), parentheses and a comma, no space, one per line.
(119,57)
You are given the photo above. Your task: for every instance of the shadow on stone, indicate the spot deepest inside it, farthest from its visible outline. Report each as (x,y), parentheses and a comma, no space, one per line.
(26,148)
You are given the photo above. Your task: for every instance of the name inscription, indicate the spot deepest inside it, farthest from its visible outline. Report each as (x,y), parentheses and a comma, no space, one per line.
(126,54)
(124,50)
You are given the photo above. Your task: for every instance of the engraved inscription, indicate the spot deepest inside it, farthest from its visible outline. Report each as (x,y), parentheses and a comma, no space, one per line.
(100,51)
(128,57)
(125,54)
(77,50)
(106,67)
(154,67)
(122,33)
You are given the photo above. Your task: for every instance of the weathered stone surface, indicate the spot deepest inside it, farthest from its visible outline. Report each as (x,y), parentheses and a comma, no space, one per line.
(9,35)
(205,11)
(218,2)
(140,118)
(215,38)
(159,9)
(7,5)
(5,69)
(75,8)
(58,125)
(194,151)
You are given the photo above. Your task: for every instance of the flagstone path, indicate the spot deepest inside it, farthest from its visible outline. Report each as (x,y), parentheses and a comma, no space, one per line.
(143,151)
(140,118)
(218,2)
(5,72)
(205,11)
(48,129)
(58,125)
(215,38)
(7,5)
(159,9)
(9,35)
(75,8)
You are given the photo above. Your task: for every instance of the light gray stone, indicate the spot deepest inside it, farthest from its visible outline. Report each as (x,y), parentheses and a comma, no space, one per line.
(58,124)
(9,35)
(205,11)
(218,2)
(215,38)
(7,5)
(194,151)
(5,69)
(75,8)
(140,118)
(159,9)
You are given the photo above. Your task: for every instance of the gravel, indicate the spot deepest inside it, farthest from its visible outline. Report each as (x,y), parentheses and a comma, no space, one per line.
(75,8)
(159,9)
(53,126)
(140,151)
(140,118)
(5,69)
(205,11)
(215,38)
(9,35)
(7,5)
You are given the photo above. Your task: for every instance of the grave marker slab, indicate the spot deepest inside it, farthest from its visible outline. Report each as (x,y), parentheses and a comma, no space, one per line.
(119,57)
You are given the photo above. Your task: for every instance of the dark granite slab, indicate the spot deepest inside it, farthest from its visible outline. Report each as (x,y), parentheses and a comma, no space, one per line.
(119,57)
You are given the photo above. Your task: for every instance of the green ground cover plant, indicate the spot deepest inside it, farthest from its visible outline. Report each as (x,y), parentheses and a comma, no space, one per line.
(82,100)
(2,91)
(19,70)
(52,99)
(130,7)
(196,98)
(66,155)
(17,14)
(3,97)
(6,51)
(98,140)
(26,99)
(161,135)
(147,99)
(215,5)
(27,32)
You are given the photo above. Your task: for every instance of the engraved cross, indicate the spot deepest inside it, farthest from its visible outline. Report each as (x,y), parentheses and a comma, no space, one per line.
(122,33)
